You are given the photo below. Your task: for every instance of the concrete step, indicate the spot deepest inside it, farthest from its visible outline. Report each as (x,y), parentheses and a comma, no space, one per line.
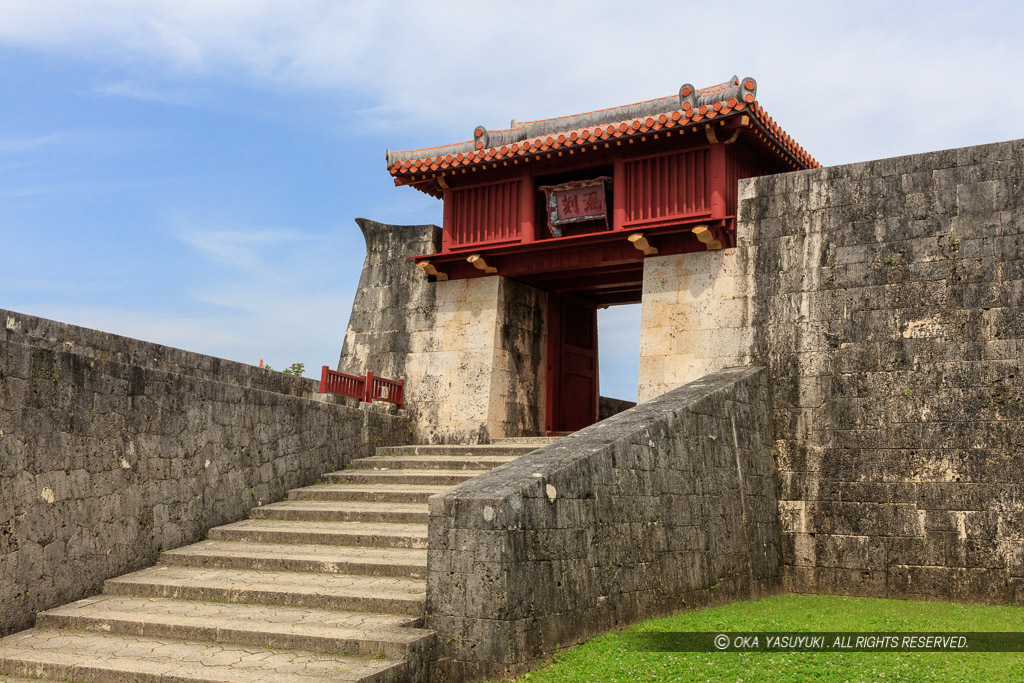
(382,493)
(507,450)
(394,595)
(482,463)
(300,558)
(379,534)
(534,441)
(331,511)
(100,658)
(341,632)
(405,477)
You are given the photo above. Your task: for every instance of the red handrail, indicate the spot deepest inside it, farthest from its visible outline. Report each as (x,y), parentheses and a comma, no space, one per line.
(366,389)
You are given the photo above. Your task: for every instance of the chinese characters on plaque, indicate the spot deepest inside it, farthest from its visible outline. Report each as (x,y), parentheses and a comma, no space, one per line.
(579,201)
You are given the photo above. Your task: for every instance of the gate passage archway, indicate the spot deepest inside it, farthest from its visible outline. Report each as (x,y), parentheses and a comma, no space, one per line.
(572,382)
(574,206)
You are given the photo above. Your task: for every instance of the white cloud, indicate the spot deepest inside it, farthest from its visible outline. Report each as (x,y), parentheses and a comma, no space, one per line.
(244,249)
(145,92)
(849,81)
(853,80)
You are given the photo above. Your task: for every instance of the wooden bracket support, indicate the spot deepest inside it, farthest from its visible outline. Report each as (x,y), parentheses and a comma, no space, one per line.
(641,243)
(478,261)
(428,268)
(707,238)
(713,138)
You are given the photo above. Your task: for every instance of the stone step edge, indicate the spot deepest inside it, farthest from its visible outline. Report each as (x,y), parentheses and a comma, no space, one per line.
(354,494)
(352,538)
(224,559)
(327,515)
(373,642)
(352,601)
(93,668)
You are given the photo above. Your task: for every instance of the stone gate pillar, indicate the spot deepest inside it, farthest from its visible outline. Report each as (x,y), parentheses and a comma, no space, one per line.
(472,352)
(695,317)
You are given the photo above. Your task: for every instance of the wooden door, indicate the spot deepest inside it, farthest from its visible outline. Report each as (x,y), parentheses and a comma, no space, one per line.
(572,364)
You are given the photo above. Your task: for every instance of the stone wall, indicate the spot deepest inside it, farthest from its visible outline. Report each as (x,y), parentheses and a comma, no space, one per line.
(394,304)
(472,352)
(695,317)
(606,406)
(668,505)
(890,309)
(104,346)
(887,301)
(112,448)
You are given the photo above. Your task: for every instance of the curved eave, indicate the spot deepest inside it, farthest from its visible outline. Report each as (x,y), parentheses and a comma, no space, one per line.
(427,175)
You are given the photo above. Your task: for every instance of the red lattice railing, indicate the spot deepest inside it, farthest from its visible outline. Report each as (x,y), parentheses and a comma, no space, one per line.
(368,388)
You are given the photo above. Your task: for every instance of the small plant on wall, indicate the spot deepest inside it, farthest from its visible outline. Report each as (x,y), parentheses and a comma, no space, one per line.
(294,369)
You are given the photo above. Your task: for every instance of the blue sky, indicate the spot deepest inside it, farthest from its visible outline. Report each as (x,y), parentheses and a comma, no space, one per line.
(187,172)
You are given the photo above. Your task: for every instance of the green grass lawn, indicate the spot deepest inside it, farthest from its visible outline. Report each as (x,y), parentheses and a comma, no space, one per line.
(609,658)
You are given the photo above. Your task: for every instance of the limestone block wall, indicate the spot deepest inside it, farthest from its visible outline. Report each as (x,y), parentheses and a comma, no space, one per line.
(394,303)
(472,352)
(886,300)
(695,317)
(104,346)
(670,504)
(112,449)
(890,311)
(478,373)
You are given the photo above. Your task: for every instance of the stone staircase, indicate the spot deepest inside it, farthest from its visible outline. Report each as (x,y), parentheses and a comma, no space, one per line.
(327,585)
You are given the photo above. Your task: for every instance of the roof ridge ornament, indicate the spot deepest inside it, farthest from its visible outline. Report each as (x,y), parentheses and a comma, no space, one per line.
(687,96)
(480,137)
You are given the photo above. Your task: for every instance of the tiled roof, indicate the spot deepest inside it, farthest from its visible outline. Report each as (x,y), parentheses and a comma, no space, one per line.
(690,106)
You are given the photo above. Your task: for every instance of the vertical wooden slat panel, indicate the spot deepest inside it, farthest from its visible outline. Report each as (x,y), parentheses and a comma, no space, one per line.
(490,213)
(666,187)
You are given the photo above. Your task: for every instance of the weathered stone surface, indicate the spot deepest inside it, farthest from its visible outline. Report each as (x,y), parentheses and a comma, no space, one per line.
(274,627)
(886,300)
(668,505)
(298,557)
(472,352)
(96,345)
(606,407)
(694,317)
(81,655)
(112,448)
(308,575)
(357,592)
(394,299)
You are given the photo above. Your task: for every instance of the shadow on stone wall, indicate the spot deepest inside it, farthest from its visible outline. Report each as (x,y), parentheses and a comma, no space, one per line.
(606,407)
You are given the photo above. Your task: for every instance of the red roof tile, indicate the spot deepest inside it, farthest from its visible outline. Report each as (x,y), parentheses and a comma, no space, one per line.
(691,106)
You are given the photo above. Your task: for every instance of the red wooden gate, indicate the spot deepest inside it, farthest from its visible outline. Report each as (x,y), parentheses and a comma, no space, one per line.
(572,364)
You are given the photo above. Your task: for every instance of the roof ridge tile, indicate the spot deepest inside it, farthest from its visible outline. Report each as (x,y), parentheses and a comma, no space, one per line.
(529,137)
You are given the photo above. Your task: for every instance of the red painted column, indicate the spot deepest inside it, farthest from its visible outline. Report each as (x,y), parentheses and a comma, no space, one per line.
(618,194)
(527,210)
(368,388)
(717,181)
(448,218)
